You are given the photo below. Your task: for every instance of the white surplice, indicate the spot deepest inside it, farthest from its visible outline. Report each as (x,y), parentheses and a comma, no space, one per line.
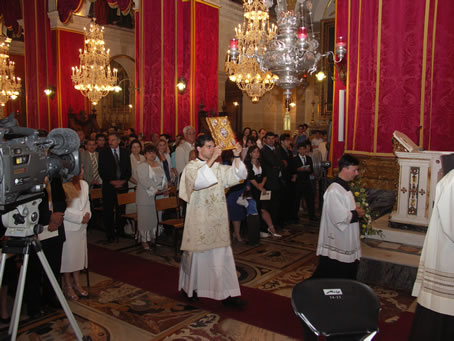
(207,266)
(434,285)
(339,237)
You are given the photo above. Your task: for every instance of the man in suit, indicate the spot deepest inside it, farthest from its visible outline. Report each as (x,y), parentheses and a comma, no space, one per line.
(90,162)
(271,164)
(100,142)
(286,204)
(302,168)
(115,171)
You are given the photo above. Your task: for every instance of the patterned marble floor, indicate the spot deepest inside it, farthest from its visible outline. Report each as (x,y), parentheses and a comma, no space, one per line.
(118,311)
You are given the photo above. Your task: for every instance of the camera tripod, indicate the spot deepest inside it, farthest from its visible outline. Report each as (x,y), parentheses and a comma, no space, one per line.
(23,245)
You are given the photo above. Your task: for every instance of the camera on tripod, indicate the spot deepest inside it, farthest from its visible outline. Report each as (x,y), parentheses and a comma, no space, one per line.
(25,160)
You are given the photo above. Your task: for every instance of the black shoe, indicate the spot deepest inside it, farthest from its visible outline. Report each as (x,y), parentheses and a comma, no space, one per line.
(5,321)
(193,298)
(313,218)
(234,302)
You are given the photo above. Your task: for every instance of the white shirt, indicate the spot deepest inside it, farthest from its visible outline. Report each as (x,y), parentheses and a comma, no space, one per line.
(116,151)
(182,156)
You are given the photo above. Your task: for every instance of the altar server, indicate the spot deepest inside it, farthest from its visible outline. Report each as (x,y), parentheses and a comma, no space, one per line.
(338,242)
(207,267)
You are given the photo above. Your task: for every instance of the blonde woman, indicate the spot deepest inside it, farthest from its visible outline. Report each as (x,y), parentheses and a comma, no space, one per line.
(75,220)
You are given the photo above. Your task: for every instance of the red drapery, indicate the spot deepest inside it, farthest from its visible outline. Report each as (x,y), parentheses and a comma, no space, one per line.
(67,45)
(138,79)
(123,5)
(10,12)
(206,58)
(399,76)
(171,44)
(183,112)
(66,8)
(101,11)
(39,66)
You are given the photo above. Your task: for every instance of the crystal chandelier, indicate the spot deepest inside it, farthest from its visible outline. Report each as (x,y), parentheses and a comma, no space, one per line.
(9,83)
(93,77)
(250,42)
(294,52)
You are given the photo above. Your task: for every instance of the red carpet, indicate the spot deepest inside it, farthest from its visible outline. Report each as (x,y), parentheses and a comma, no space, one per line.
(264,310)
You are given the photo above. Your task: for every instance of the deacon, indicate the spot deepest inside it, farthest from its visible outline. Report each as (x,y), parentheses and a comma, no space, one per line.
(207,267)
(338,241)
(434,285)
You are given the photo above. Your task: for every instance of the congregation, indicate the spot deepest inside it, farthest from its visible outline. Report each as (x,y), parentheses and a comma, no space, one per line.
(278,176)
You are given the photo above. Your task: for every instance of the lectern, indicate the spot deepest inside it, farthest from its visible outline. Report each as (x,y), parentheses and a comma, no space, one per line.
(419,173)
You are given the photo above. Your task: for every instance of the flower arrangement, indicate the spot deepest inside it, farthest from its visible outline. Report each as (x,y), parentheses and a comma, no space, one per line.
(365,222)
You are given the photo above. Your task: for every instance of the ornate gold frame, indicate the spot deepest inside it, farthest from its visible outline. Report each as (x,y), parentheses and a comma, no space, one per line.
(222,133)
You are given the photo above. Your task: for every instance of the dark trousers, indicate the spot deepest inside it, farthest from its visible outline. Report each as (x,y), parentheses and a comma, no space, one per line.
(305,191)
(430,325)
(111,211)
(274,206)
(331,268)
(38,291)
(286,203)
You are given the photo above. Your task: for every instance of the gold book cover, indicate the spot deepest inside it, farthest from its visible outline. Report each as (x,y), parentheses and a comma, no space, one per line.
(222,133)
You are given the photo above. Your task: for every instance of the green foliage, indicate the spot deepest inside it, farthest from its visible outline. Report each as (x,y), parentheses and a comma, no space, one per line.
(365,222)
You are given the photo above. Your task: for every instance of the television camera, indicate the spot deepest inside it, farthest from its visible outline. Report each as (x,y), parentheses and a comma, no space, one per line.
(25,160)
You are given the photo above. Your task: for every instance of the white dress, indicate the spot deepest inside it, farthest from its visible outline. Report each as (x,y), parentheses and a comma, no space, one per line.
(131,208)
(149,181)
(74,254)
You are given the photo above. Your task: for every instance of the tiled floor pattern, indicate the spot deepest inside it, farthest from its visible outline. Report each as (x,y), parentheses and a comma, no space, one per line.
(118,311)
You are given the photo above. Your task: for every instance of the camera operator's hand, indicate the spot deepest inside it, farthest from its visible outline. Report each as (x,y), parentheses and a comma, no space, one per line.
(56,219)
(86,218)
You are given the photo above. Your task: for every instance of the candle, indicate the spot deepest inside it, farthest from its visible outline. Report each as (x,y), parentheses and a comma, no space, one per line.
(302,33)
(233,43)
(340,42)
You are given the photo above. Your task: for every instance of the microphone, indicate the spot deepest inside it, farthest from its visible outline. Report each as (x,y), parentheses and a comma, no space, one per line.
(63,141)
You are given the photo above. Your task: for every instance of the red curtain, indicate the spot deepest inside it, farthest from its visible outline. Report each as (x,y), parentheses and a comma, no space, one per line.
(10,12)
(439,117)
(183,115)
(101,11)
(67,45)
(66,8)
(138,78)
(175,39)
(39,65)
(124,5)
(399,76)
(150,66)
(206,58)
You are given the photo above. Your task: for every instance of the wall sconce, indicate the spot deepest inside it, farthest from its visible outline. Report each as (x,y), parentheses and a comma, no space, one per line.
(236,103)
(292,105)
(181,85)
(50,92)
